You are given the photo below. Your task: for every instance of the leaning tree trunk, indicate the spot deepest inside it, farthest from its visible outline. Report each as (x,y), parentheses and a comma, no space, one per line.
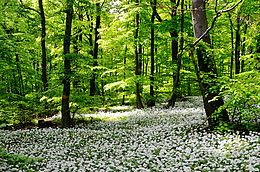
(66,118)
(206,66)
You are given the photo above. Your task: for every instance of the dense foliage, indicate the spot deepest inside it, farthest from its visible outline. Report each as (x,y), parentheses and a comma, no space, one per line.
(104,41)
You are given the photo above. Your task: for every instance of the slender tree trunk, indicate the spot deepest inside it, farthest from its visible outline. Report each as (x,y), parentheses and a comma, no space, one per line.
(91,52)
(243,49)
(176,80)
(139,103)
(93,86)
(37,87)
(237,47)
(90,37)
(125,56)
(258,51)
(77,44)
(206,65)
(80,28)
(232,45)
(174,49)
(43,36)
(14,83)
(19,71)
(66,118)
(151,101)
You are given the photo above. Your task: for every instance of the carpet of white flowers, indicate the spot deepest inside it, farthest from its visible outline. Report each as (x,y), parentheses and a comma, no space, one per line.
(147,140)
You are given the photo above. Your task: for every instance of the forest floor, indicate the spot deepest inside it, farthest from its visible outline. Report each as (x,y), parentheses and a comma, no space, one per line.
(154,139)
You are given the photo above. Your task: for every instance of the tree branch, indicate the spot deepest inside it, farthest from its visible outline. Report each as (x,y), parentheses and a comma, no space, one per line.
(29,8)
(158,16)
(218,14)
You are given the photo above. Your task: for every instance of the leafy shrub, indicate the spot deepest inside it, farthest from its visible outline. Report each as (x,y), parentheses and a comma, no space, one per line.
(242,99)
(19,111)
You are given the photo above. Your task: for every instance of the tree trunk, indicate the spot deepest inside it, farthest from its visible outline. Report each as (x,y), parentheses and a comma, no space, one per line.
(258,51)
(19,71)
(66,118)
(93,86)
(206,65)
(139,103)
(243,49)
(176,78)
(232,45)
(237,47)
(125,56)
(77,44)
(14,83)
(151,101)
(43,36)
(174,49)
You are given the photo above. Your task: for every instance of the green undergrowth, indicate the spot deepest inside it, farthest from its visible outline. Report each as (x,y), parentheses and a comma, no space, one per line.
(22,162)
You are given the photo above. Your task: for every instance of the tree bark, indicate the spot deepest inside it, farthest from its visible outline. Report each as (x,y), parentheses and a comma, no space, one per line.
(151,101)
(258,51)
(43,36)
(237,47)
(125,56)
(243,47)
(66,118)
(139,103)
(77,41)
(232,46)
(206,66)
(174,49)
(93,86)
(19,71)
(179,52)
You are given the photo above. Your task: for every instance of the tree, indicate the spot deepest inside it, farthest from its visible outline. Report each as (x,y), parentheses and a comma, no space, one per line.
(176,78)
(43,37)
(138,51)
(152,99)
(43,40)
(93,87)
(66,118)
(238,45)
(232,45)
(174,48)
(206,65)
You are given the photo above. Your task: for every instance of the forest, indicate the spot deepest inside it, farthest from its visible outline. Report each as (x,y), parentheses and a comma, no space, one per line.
(129,85)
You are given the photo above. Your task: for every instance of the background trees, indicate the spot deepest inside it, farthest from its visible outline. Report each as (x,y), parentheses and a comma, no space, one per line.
(124,52)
